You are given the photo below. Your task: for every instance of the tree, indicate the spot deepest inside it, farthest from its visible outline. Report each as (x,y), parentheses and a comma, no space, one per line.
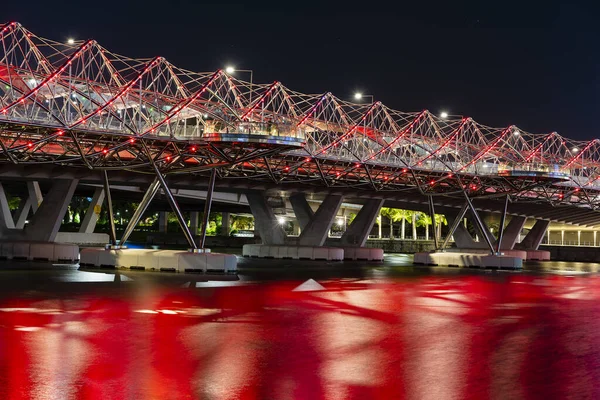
(405,215)
(414,224)
(424,220)
(440,219)
(350,218)
(394,215)
(241,223)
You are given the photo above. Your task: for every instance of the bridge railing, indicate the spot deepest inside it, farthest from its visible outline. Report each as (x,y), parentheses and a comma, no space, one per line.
(272,129)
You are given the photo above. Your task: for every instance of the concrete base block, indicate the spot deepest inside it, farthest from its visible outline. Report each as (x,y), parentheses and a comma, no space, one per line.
(469,260)
(39,251)
(158,260)
(305,253)
(522,254)
(82,239)
(293,252)
(538,255)
(250,250)
(363,253)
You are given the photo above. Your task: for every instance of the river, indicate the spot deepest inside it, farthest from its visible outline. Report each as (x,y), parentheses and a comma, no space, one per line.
(369,331)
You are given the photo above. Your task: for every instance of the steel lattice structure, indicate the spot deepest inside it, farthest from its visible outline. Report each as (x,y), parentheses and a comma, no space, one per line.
(82,105)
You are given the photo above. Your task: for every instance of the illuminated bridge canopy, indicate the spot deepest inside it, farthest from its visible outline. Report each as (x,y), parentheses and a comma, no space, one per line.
(80,104)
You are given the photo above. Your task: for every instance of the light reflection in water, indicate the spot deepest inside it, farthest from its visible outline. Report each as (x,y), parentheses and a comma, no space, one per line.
(431,337)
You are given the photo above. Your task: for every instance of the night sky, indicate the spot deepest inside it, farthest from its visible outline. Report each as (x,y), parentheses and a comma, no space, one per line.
(535,66)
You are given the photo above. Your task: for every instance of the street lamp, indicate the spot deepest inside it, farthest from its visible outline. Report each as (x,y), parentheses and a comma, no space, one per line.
(71,41)
(444,114)
(359,96)
(230,69)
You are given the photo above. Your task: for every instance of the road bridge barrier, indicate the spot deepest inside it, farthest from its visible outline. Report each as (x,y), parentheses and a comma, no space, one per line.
(39,251)
(293,252)
(158,260)
(363,253)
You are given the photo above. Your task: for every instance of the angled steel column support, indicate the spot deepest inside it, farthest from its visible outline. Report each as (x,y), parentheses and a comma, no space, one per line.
(207,204)
(455,225)
(137,215)
(111,216)
(502,220)
(175,208)
(479,222)
(432,215)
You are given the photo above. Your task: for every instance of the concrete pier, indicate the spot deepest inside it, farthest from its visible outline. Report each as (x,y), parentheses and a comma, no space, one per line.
(461,259)
(158,260)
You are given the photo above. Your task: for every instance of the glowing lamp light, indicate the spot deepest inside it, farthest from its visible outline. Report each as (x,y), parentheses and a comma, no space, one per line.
(516,133)
(575,149)
(193,149)
(105,151)
(229,69)
(444,114)
(131,140)
(358,95)
(281,220)
(71,41)
(340,221)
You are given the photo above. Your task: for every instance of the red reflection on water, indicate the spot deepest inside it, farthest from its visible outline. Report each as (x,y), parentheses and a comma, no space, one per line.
(515,336)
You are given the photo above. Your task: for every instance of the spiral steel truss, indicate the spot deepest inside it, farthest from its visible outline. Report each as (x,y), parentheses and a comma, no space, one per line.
(82,105)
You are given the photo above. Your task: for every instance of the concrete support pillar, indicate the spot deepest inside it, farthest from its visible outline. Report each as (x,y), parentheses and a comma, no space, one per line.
(562,237)
(264,219)
(46,221)
(358,232)
(536,234)
(34,199)
(316,231)
(302,210)
(481,233)
(6,218)
(21,216)
(35,194)
(296,228)
(194,218)
(578,238)
(225,224)
(93,212)
(163,221)
(462,237)
(595,232)
(512,232)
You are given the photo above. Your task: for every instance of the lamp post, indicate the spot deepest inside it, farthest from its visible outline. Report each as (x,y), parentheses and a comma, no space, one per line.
(359,96)
(232,70)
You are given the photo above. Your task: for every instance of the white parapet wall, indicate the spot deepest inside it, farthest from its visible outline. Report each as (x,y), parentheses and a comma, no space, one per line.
(538,255)
(39,251)
(363,253)
(293,252)
(158,260)
(460,259)
(83,239)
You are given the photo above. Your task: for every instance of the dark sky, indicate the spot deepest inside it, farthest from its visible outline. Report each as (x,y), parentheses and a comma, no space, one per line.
(533,64)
